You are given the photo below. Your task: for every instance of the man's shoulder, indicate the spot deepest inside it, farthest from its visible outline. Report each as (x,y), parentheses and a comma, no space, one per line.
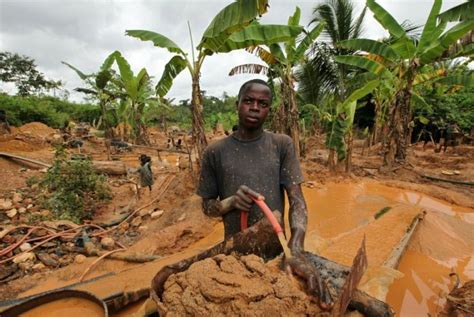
(278,137)
(218,145)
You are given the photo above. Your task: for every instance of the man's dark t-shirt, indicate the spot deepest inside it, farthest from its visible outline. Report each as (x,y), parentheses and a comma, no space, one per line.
(265,164)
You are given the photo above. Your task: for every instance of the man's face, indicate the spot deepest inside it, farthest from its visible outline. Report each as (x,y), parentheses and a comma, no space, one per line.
(253,106)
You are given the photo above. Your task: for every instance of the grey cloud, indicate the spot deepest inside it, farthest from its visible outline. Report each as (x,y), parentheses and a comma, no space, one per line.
(84,32)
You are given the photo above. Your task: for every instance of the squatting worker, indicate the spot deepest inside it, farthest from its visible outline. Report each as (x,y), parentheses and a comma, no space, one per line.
(250,162)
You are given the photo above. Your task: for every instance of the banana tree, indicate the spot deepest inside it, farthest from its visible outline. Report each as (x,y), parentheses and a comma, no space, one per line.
(400,61)
(100,87)
(282,61)
(233,28)
(341,126)
(139,94)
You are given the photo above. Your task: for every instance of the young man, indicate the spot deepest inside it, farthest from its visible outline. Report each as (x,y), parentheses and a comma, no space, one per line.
(251,162)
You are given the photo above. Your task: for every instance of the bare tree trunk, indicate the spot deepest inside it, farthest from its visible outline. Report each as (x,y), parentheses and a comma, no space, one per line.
(164,123)
(294,121)
(332,160)
(390,142)
(199,134)
(289,113)
(348,159)
(399,123)
(402,145)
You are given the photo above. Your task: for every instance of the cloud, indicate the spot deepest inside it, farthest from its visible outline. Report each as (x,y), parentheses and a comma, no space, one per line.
(85,32)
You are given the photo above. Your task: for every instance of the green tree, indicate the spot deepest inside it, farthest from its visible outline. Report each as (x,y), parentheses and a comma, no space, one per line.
(324,82)
(321,76)
(99,86)
(22,71)
(138,94)
(401,61)
(234,27)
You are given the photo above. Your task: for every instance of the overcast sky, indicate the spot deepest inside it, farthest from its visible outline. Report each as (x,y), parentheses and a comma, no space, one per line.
(84,32)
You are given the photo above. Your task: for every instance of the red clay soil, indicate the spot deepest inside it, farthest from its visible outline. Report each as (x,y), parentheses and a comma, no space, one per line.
(232,285)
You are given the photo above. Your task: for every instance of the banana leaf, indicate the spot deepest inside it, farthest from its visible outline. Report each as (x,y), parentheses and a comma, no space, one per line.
(420,101)
(86,91)
(157,39)
(344,118)
(263,54)
(293,20)
(78,72)
(172,69)
(364,63)
(465,50)
(430,26)
(465,80)
(257,34)
(233,18)
(108,62)
(277,52)
(405,47)
(103,78)
(126,76)
(387,21)
(464,11)
(447,39)
(370,46)
(142,80)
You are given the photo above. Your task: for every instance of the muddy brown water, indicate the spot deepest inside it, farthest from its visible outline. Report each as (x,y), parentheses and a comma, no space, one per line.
(444,241)
(71,307)
(341,214)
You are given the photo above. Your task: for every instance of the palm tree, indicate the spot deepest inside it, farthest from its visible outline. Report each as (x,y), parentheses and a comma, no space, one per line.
(341,23)
(324,81)
(234,27)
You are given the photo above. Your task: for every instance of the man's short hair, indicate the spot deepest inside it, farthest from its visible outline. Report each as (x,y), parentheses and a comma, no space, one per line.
(249,83)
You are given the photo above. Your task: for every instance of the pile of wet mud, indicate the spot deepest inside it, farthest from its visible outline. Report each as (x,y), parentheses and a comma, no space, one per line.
(233,285)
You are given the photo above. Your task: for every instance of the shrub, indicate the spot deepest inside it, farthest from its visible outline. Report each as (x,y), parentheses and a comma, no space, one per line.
(49,110)
(74,188)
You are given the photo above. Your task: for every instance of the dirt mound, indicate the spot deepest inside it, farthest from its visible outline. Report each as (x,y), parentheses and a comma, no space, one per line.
(37,129)
(232,285)
(17,145)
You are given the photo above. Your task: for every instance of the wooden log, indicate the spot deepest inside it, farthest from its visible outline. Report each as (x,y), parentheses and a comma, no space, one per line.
(110,167)
(159,149)
(451,181)
(107,167)
(25,159)
(394,259)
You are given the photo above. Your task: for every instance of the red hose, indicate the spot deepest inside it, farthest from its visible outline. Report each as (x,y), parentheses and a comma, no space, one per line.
(268,213)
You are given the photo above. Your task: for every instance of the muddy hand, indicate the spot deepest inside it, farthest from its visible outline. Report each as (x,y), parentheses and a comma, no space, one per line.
(301,267)
(242,199)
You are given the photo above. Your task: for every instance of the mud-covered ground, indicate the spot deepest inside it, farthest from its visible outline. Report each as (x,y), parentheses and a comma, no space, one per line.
(175,221)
